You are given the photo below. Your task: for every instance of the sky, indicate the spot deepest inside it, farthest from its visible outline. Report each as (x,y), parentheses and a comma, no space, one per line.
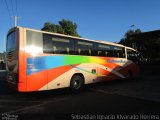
(106,20)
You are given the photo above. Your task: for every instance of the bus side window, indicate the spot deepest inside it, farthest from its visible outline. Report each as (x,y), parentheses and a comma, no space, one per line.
(54,49)
(116,54)
(79,51)
(68,51)
(84,48)
(119,52)
(57,45)
(106,53)
(104,50)
(122,54)
(131,55)
(89,52)
(99,53)
(34,40)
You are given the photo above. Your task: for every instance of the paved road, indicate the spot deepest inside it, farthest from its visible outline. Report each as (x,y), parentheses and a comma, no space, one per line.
(138,97)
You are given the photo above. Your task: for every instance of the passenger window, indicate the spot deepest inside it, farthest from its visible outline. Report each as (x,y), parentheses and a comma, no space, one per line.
(57,45)
(104,50)
(84,48)
(119,52)
(34,42)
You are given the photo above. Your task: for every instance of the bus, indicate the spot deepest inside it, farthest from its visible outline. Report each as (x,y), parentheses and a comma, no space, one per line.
(38,60)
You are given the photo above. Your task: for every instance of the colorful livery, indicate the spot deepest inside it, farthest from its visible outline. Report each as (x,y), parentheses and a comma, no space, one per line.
(39,60)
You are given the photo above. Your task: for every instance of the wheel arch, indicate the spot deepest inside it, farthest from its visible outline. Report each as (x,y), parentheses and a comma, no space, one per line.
(80,74)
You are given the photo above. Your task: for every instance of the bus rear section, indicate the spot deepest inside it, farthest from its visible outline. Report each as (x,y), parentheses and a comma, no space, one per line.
(15,59)
(12,58)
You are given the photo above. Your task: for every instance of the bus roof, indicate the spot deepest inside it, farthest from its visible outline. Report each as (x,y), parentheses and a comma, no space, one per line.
(68,36)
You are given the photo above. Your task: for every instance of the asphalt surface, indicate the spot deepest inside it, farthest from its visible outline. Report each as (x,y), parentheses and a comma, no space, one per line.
(110,100)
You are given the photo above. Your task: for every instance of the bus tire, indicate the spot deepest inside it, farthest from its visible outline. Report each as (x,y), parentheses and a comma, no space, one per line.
(77,82)
(129,75)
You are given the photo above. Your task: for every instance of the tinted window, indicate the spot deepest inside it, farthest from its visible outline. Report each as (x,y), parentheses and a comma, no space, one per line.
(104,50)
(34,38)
(119,52)
(11,41)
(57,45)
(132,55)
(84,48)
(34,42)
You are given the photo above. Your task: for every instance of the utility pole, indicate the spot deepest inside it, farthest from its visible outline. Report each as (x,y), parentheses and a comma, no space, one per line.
(15,18)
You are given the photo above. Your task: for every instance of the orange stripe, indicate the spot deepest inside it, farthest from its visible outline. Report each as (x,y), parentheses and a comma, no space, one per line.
(40,79)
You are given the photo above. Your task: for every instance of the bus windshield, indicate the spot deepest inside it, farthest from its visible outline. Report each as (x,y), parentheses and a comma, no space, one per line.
(11,41)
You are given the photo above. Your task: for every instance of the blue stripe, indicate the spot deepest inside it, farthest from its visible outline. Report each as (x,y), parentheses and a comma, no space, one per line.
(38,64)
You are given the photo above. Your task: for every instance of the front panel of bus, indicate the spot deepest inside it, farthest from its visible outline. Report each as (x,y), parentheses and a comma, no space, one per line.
(133,57)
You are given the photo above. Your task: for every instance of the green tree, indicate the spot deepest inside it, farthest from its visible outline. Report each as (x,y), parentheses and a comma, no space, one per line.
(66,27)
(49,27)
(128,39)
(59,29)
(69,27)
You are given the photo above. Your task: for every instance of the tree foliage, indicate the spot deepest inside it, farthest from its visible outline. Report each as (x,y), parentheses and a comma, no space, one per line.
(66,27)
(128,39)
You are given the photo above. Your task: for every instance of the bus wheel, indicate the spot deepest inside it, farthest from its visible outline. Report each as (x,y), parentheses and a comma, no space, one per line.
(77,82)
(129,75)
